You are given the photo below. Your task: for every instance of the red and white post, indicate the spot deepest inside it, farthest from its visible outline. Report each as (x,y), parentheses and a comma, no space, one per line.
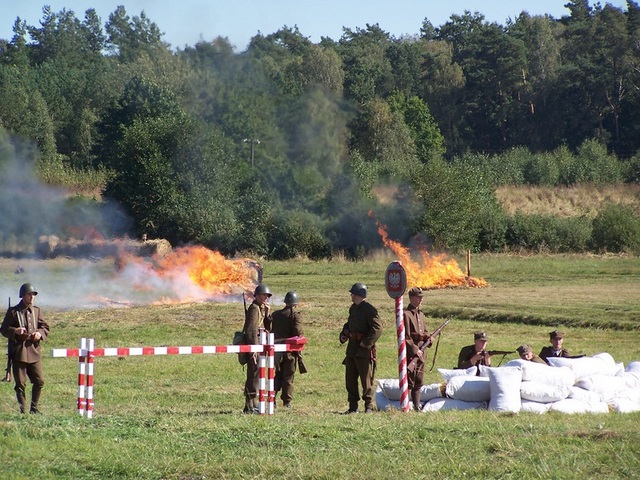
(396,284)
(262,366)
(90,348)
(82,376)
(271,374)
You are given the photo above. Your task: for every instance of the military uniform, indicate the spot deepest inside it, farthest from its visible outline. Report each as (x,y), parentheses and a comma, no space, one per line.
(362,329)
(26,354)
(285,323)
(415,334)
(550,352)
(254,319)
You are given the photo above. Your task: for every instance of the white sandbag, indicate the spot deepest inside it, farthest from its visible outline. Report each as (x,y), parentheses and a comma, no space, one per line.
(578,393)
(619,369)
(633,367)
(632,394)
(469,389)
(624,405)
(443,404)
(448,373)
(602,384)
(631,379)
(535,407)
(542,373)
(599,364)
(542,393)
(383,403)
(571,405)
(504,383)
(391,389)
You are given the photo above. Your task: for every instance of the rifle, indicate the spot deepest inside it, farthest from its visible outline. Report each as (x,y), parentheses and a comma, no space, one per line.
(498,352)
(414,360)
(7,374)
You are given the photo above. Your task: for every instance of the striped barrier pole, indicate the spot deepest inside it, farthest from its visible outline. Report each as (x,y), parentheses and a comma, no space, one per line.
(271,373)
(402,358)
(82,372)
(262,363)
(90,348)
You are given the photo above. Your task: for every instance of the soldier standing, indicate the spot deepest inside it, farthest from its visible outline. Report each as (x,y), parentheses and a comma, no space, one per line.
(362,330)
(415,333)
(257,312)
(25,328)
(285,323)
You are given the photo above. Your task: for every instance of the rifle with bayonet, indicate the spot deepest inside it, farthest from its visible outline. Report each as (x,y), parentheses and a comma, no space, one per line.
(414,360)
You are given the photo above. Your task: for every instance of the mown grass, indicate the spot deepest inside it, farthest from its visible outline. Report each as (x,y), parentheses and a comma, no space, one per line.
(178,417)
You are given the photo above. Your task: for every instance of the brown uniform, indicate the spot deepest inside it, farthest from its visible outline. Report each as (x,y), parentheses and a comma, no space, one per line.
(254,319)
(415,334)
(285,323)
(364,327)
(26,354)
(465,355)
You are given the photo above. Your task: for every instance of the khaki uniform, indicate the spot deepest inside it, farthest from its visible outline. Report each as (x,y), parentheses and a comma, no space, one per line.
(254,319)
(285,323)
(415,334)
(364,328)
(27,355)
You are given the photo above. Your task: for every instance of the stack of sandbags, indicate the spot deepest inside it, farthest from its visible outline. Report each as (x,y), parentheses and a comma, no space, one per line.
(388,393)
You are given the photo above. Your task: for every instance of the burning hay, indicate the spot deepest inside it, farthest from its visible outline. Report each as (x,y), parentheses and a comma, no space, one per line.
(436,271)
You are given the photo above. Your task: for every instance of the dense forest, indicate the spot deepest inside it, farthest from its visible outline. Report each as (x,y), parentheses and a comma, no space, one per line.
(294,148)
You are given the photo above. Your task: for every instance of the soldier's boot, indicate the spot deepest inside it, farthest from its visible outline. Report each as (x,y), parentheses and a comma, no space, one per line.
(415,399)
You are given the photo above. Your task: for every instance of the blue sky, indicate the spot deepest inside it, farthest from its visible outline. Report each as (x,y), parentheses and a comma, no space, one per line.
(186,22)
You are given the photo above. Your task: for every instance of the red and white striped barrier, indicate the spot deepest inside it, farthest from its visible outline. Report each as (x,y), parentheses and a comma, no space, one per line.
(87,352)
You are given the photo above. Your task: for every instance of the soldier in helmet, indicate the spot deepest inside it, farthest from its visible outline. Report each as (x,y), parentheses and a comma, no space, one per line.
(285,323)
(25,327)
(256,315)
(362,330)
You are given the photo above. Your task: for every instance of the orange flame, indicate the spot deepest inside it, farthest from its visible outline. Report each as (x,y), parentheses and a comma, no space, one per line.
(436,272)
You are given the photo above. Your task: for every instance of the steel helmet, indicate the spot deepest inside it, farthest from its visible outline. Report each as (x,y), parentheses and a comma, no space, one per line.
(262,289)
(27,288)
(291,298)
(359,289)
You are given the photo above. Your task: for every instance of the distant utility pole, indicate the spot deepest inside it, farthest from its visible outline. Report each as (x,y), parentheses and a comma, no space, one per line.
(253,142)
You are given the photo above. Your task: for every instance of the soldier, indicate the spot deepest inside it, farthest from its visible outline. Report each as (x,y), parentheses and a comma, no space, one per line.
(476,354)
(362,330)
(555,350)
(285,323)
(526,353)
(257,312)
(415,333)
(24,326)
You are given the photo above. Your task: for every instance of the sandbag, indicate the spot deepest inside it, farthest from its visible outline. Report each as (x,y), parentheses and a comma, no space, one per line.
(391,389)
(534,407)
(624,405)
(542,393)
(599,364)
(450,373)
(579,393)
(443,404)
(469,389)
(571,405)
(633,367)
(504,383)
(539,372)
(602,384)
(383,403)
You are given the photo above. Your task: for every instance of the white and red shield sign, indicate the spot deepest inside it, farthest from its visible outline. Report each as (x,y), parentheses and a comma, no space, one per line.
(395,280)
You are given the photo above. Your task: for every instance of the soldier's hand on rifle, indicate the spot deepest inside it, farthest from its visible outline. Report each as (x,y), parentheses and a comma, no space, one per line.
(21,334)
(35,336)
(428,339)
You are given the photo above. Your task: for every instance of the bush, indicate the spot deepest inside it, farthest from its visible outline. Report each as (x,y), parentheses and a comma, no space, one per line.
(549,233)
(542,170)
(297,233)
(616,228)
(492,236)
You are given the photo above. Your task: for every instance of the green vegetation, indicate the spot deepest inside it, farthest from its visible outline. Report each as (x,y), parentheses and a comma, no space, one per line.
(281,150)
(179,417)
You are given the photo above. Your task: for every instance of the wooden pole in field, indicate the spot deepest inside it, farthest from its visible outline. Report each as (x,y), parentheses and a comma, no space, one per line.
(468,263)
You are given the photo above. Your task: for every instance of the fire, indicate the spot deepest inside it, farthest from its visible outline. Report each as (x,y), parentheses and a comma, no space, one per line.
(210,270)
(436,271)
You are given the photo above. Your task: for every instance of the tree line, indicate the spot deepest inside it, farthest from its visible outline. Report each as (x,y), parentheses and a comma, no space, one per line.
(283,149)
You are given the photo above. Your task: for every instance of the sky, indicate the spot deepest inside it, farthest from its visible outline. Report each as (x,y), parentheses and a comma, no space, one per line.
(186,22)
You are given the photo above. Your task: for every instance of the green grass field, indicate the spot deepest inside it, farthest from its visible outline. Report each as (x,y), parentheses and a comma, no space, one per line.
(179,417)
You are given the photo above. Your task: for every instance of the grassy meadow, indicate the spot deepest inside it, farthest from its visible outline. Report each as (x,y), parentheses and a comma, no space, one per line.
(179,417)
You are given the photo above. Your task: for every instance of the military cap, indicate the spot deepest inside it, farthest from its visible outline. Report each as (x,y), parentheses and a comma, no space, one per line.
(480,336)
(416,292)
(556,334)
(522,349)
